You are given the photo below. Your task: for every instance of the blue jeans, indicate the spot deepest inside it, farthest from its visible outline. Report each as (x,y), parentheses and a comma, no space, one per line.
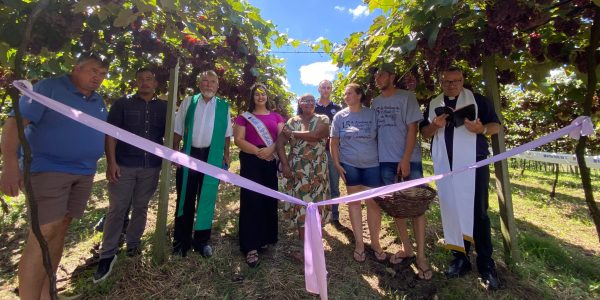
(389,171)
(334,186)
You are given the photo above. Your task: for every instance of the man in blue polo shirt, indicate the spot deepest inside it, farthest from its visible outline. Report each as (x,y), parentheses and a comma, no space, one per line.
(64,157)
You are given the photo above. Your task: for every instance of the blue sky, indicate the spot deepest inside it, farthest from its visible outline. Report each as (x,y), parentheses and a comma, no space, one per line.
(309,20)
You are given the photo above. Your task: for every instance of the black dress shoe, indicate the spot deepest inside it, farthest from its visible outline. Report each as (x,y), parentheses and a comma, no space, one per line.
(206,251)
(458,267)
(179,251)
(489,280)
(135,251)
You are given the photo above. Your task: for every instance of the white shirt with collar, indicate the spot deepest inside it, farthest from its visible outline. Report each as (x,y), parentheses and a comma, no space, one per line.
(204,119)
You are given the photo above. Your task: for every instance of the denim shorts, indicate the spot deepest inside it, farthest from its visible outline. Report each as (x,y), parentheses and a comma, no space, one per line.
(388,171)
(369,177)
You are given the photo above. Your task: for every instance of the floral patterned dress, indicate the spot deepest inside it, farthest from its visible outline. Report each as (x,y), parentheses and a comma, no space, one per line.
(308,161)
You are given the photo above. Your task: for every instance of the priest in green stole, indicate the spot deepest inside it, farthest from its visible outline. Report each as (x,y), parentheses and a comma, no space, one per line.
(204,124)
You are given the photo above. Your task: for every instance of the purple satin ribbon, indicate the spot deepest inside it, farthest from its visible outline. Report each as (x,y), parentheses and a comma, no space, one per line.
(315,271)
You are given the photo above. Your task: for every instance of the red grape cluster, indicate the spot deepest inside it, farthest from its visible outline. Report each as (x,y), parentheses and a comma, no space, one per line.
(87,39)
(54,28)
(498,40)
(506,18)
(536,49)
(249,75)
(233,40)
(581,3)
(146,40)
(556,52)
(506,77)
(170,58)
(569,27)
(445,50)
(503,13)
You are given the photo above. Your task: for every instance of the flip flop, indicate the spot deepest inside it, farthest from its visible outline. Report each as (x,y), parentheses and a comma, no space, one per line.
(402,260)
(380,254)
(422,274)
(359,256)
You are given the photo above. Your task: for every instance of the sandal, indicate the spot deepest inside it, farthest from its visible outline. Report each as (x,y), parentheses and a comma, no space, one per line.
(380,256)
(398,259)
(252,259)
(425,275)
(359,256)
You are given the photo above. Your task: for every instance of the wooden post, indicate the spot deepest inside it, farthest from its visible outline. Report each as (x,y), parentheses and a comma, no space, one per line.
(507,218)
(159,251)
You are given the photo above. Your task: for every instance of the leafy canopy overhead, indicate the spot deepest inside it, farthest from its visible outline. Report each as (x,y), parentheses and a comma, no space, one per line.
(528,38)
(228,36)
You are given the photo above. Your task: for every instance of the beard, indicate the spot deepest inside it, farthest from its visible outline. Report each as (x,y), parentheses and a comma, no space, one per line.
(208,94)
(384,86)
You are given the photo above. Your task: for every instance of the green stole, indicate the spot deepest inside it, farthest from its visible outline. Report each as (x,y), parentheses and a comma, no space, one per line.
(210,185)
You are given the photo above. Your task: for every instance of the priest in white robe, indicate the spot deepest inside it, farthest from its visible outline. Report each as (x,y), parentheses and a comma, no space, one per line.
(463,197)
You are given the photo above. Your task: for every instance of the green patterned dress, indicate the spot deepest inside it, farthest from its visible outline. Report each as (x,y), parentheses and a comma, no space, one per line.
(308,162)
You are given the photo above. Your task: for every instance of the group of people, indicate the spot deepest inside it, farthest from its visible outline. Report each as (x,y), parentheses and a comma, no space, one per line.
(368,147)
(364,146)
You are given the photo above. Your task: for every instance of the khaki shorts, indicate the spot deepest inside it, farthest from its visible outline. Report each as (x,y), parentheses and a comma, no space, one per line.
(60,194)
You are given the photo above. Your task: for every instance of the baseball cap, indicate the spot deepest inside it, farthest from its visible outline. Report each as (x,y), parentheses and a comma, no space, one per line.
(387,67)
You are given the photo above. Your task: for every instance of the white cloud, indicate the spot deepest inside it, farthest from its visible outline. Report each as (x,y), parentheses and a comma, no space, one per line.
(339,8)
(285,82)
(359,11)
(313,73)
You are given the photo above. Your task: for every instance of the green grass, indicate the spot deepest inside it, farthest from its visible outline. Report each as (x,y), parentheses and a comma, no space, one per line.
(558,246)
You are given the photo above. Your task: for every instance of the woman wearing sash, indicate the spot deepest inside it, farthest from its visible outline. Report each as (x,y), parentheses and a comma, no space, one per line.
(255,134)
(354,152)
(305,168)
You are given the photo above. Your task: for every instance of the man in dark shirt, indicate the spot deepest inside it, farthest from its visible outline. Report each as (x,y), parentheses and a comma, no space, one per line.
(486,124)
(326,107)
(132,173)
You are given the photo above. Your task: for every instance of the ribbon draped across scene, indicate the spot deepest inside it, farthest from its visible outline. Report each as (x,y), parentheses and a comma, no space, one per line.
(314,256)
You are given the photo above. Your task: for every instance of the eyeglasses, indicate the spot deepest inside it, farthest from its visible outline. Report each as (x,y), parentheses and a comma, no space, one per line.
(451,82)
(306,101)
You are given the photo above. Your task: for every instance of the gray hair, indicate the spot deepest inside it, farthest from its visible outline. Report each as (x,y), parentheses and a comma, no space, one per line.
(85,57)
(207,73)
(323,81)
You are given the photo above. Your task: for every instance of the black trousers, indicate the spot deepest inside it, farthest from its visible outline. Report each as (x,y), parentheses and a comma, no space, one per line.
(258,224)
(481,222)
(182,235)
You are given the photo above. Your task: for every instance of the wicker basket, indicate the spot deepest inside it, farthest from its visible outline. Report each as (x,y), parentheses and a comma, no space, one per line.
(408,203)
